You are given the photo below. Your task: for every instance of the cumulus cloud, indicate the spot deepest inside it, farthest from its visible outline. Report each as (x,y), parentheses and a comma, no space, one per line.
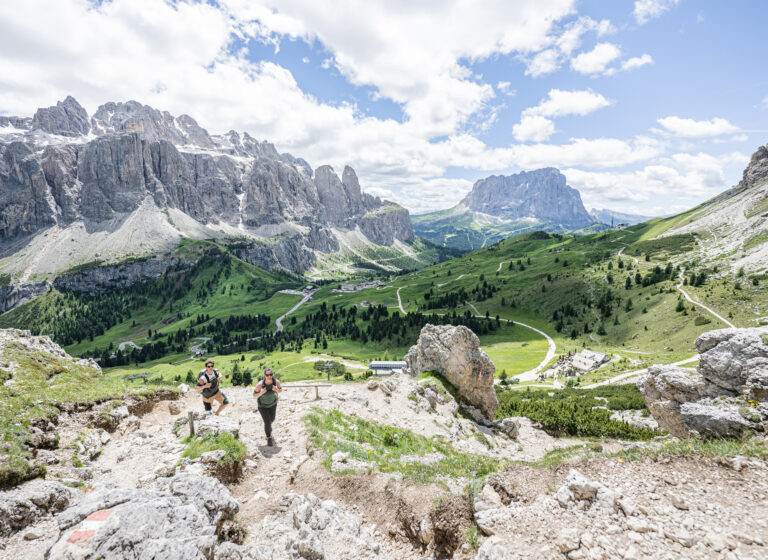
(535,123)
(646,10)
(564,44)
(690,128)
(533,128)
(596,61)
(636,62)
(691,176)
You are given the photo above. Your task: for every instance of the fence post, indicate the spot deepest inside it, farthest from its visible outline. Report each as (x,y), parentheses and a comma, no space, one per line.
(317,393)
(191,420)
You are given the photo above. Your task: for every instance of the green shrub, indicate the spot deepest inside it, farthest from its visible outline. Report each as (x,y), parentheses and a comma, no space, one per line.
(573,412)
(701,320)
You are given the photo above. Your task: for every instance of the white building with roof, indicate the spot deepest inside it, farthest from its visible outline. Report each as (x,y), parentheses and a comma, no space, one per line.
(588,359)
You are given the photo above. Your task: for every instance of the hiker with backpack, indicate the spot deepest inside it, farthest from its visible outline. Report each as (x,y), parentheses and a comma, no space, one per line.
(208,383)
(266,392)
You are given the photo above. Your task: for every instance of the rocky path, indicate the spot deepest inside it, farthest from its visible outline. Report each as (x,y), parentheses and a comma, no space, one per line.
(130,343)
(680,508)
(144,449)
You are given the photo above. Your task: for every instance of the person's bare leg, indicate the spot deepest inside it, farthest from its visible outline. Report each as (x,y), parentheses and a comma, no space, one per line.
(222,404)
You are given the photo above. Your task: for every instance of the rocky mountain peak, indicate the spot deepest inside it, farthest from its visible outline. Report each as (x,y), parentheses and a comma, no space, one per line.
(133,168)
(541,194)
(66,118)
(757,170)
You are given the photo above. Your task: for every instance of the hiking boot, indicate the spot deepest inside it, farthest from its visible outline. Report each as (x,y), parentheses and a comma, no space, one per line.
(270,442)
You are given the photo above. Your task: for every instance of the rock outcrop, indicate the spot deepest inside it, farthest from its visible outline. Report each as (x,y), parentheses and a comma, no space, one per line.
(454,353)
(728,395)
(178,518)
(757,170)
(100,278)
(14,295)
(166,177)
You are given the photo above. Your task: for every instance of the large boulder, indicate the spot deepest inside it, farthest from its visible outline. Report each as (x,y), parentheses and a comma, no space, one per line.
(177,519)
(726,397)
(454,352)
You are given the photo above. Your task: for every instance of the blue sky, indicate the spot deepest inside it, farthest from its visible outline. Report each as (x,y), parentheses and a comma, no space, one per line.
(648,106)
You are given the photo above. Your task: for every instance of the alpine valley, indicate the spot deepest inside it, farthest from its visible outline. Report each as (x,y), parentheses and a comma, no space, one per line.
(546,406)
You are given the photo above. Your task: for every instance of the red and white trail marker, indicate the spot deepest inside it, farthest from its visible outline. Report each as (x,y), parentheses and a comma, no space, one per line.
(89,526)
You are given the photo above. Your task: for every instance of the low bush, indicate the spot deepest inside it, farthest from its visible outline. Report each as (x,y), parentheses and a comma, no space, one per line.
(577,412)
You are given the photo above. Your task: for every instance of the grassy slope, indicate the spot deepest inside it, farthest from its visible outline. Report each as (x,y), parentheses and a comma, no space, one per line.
(39,383)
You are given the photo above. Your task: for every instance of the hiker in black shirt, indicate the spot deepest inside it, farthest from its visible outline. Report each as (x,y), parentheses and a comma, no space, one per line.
(208,383)
(266,392)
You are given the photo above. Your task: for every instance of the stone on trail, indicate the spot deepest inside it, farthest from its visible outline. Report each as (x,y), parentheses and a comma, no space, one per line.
(577,487)
(213,456)
(174,408)
(491,549)
(509,426)
(213,425)
(488,498)
(454,352)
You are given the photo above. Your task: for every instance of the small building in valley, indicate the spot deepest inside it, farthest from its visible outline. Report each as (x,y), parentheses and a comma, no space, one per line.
(386,367)
(587,360)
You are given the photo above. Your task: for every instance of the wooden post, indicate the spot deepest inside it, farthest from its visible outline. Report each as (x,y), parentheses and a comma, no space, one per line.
(191,420)
(317,393)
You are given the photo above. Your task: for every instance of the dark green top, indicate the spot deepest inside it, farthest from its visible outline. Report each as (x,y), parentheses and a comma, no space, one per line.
(268,399)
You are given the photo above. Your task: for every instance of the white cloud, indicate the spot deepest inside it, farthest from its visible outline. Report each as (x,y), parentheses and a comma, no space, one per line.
(560,103)
(597,60)
(685,178)
(532,128)
(410,54)
(636,62)
(563,45)
(535,122)
(505,88)
(690,128)
(543,63)
(646,10)
(305,60)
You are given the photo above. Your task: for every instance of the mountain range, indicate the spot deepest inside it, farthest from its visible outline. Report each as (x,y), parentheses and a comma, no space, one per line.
(131,180)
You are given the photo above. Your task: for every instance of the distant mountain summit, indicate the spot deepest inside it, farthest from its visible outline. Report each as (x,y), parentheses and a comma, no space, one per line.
(612,217)
(541,195)
(133,180)
(500,206)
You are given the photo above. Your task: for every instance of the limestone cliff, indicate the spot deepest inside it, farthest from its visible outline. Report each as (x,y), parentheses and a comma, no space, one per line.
(134,180)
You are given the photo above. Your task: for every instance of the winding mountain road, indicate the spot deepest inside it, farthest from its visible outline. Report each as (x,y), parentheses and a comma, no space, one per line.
(400,302)
(279,320)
